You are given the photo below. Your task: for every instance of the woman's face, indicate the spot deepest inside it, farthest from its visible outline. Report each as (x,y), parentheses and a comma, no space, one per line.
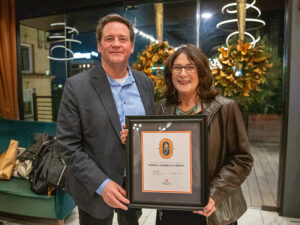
(185,80)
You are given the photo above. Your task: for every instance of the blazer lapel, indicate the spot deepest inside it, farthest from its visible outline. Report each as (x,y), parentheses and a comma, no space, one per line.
(143,93)
(100,83)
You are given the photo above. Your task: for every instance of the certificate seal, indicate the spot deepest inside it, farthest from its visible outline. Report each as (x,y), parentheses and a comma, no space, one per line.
(166,148)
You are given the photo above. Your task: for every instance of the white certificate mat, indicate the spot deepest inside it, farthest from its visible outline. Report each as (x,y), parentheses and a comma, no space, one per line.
(167,161)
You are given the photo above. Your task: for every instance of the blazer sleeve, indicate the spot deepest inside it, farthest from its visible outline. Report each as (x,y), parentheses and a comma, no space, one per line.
(238,160)
(69,136)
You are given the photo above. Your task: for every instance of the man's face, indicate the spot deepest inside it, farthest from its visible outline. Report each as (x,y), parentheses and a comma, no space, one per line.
(115,45)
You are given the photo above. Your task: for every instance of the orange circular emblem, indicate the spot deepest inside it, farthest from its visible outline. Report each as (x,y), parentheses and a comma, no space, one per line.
(166,148)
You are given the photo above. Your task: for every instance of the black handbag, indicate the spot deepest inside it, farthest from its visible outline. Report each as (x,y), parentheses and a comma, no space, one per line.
(48,173)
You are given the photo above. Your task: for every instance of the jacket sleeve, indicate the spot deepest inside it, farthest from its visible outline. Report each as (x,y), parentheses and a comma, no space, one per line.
(237,158)
(70,137)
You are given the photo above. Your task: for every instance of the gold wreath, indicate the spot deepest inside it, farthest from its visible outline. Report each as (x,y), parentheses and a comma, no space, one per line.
(154,55)
(243,68)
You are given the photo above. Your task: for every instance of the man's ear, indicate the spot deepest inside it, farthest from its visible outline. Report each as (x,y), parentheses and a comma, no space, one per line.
(98,47)
(132,47)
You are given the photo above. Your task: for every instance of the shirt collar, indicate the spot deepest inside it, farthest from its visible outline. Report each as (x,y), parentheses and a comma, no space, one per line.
(129,79)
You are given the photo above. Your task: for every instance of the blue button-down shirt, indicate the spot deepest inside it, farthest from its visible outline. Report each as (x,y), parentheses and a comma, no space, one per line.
(127,97)
(128,102)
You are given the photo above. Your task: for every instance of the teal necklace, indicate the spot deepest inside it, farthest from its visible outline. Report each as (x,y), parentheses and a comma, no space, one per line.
(189,112)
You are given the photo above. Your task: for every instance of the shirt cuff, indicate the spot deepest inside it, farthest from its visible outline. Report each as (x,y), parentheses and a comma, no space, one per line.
(100,189)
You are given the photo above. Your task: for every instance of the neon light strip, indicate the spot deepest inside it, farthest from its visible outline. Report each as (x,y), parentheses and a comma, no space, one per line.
(72,30)
(263,23)
(57,24)
(235,11)
(65,40)
(248,5)
(157,67)
(56,37)
(60,59)
(234,4)
(254,41)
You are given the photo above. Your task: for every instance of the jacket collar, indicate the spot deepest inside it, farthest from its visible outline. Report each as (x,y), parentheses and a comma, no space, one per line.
(101,85)
(210,108)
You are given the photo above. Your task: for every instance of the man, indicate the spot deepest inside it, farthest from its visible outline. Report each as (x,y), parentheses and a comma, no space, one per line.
(91,114)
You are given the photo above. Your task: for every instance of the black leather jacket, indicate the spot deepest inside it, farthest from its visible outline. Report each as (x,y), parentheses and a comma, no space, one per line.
(229,158)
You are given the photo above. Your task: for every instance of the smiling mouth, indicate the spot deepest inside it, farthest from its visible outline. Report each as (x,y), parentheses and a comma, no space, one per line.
(183,82)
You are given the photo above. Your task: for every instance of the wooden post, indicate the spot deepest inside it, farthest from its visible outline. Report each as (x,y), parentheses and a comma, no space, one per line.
(159,20)
(241,9)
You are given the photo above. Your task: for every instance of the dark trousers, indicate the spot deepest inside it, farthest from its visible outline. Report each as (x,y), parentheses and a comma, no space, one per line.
(130,217)
(166,217)
(86,219)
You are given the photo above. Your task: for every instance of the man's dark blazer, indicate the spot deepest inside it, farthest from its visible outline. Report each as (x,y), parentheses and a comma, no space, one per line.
(88,129)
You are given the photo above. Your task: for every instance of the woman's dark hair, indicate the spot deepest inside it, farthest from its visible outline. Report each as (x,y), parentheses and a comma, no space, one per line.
(113,18)
(205,88)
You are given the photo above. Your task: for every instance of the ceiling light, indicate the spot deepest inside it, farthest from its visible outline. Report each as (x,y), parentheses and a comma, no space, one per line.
(206,15)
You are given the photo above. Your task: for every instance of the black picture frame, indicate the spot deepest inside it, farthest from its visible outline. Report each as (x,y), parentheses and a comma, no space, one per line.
(196,128)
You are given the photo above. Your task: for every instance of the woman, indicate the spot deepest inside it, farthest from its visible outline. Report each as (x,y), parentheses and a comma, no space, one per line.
(189,91)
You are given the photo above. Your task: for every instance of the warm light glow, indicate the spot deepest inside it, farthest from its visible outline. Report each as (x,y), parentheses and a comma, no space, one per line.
(147,36)
(144,35)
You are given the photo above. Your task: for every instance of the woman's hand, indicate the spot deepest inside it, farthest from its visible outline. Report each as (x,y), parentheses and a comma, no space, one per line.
(124,134)
(208,209)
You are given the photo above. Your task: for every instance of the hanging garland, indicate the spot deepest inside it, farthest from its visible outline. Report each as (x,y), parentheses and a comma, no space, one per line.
(154,55)
(243,68)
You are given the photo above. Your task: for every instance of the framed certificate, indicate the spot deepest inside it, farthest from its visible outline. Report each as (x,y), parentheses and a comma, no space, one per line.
(167,162)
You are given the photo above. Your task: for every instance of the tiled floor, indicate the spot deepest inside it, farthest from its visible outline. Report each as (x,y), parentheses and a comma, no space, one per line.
(251,217)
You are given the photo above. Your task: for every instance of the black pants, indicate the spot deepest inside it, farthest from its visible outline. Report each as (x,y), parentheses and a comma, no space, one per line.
(86,219)
(130,217)
(166,217)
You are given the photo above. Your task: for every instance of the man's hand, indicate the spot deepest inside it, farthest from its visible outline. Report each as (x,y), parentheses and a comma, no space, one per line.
(114,195)
(208,209)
